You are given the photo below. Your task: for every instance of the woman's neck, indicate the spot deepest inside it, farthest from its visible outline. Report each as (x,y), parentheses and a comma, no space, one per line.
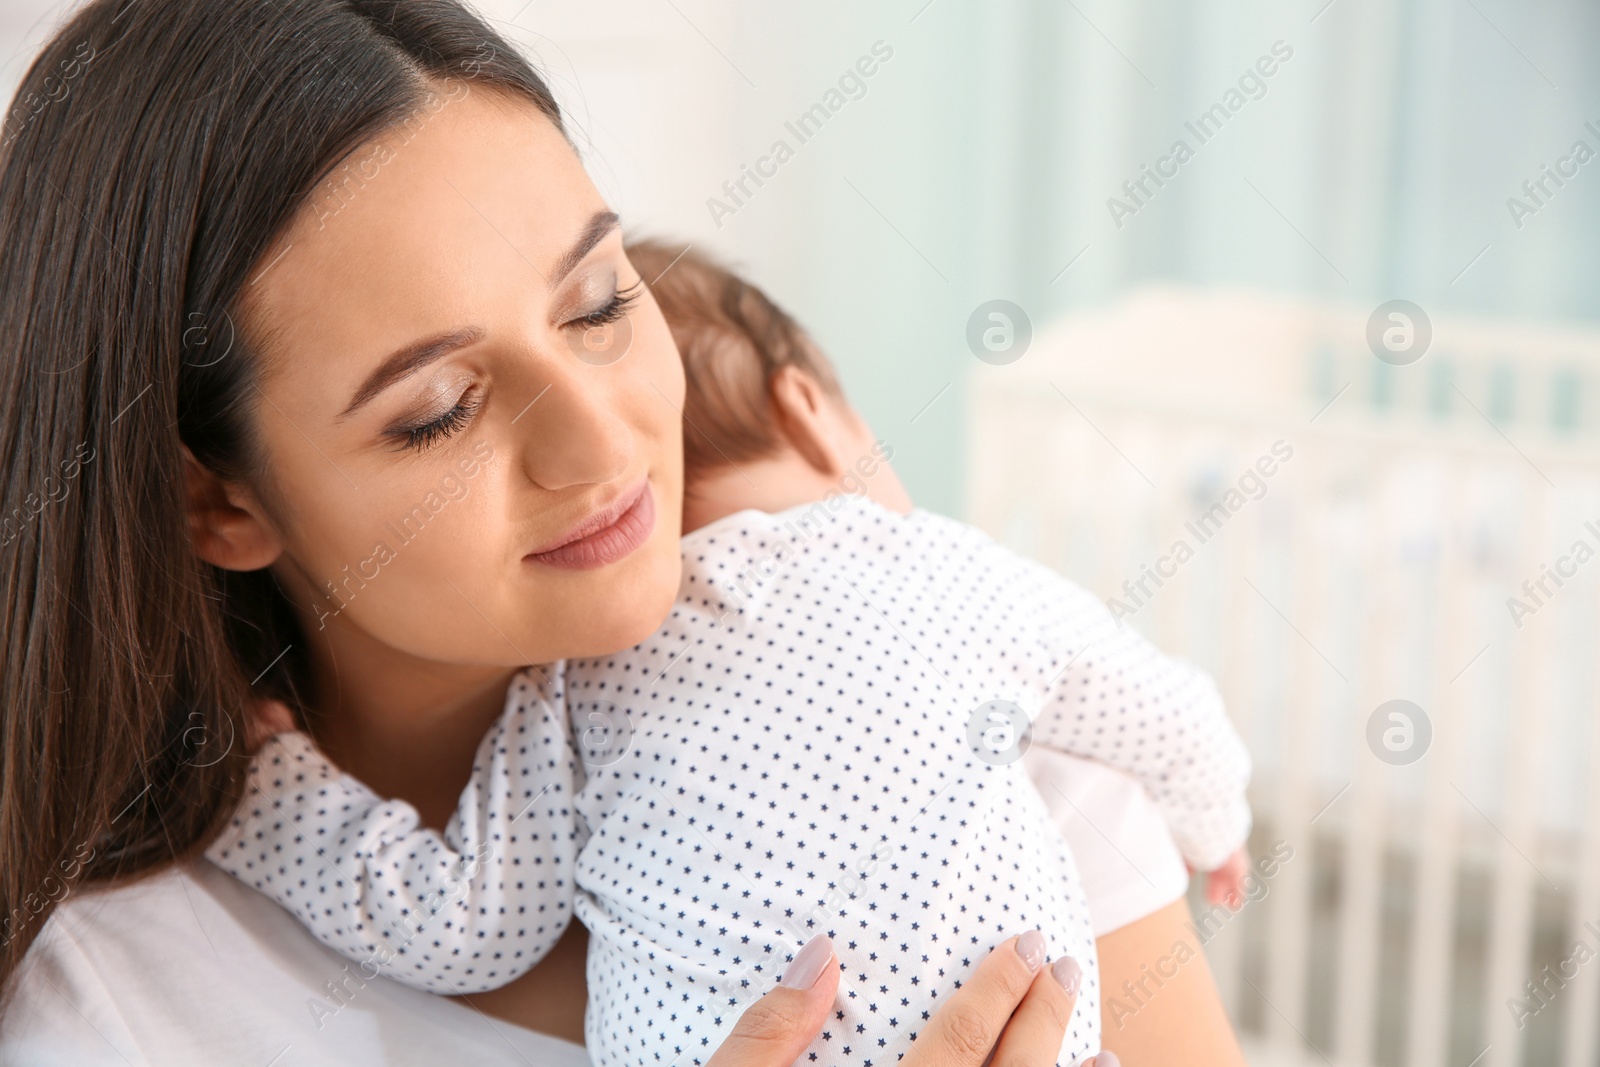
(407,728)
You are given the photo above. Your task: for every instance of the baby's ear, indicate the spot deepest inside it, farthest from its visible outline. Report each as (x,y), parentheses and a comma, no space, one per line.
(812,420)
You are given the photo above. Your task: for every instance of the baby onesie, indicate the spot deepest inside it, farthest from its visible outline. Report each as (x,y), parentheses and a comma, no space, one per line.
(821,738)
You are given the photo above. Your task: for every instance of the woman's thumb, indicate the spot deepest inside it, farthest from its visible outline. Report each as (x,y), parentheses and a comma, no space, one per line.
(776,1029)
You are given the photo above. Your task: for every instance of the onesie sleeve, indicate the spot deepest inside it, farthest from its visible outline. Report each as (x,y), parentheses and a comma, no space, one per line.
(459,912)
(1112,696)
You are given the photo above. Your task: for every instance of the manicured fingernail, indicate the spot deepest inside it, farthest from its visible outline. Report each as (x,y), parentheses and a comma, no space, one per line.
(1107,1059)
(1030,946)
(1070,975)
(807,965)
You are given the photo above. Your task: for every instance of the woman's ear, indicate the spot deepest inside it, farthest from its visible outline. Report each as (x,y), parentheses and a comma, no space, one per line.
(810,419)
(227,524)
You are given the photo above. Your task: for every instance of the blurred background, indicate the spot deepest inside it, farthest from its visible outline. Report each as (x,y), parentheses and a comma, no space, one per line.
(1198,218)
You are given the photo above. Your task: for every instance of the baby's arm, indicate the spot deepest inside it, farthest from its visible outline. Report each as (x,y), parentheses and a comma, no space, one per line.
(1113,696)
(459,912)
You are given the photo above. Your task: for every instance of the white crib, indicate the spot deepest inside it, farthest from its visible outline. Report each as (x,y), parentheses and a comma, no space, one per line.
(1376,564)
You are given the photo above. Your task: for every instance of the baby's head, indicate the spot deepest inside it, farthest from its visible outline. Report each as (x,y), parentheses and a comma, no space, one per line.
(766,424)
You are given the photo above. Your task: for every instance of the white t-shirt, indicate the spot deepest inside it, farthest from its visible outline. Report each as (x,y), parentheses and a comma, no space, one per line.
(191,967)
(194,967)
(1126,857)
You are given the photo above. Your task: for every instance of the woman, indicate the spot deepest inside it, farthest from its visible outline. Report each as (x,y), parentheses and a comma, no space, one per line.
(291,411)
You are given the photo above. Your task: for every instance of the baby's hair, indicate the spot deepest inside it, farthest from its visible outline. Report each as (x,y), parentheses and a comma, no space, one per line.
(733,339)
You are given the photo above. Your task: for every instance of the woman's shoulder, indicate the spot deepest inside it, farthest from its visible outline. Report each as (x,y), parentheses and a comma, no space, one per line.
(190,966)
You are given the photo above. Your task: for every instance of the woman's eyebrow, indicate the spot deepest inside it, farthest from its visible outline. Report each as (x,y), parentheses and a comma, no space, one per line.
(602,223)
(410,359)
(418,354)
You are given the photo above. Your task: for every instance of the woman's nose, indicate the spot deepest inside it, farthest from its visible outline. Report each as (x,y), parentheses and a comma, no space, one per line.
(575,431)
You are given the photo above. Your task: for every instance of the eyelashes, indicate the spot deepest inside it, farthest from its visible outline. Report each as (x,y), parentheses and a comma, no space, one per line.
(620,304)
(421,437)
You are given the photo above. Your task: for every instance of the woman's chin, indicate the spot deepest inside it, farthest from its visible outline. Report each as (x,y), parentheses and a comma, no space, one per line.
(628,611)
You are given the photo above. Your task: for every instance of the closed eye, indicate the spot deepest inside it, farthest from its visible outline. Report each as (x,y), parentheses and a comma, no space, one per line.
(620,304)
(424,435)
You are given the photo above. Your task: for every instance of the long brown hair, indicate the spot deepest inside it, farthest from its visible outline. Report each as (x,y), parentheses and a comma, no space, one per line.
(152,153)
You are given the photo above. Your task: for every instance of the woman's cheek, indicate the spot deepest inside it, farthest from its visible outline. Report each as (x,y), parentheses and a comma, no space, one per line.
(659,389)
(439,589)
(665,366)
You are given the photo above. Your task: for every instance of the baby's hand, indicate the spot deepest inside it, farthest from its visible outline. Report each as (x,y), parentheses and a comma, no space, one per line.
(266,718)
(1225,885)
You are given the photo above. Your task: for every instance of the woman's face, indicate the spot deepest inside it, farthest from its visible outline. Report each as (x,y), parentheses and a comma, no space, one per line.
(441,413)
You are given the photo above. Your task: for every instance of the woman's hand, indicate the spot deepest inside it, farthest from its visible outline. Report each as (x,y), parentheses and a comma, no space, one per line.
(776,1029)
(1013,1005)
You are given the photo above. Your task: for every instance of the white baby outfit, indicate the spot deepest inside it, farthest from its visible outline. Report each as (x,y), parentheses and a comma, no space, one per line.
(811,743)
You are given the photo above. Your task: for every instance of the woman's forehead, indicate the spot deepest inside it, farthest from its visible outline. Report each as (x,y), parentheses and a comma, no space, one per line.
(480,193)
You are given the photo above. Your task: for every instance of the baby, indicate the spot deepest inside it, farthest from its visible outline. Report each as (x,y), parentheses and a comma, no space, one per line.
(821,738)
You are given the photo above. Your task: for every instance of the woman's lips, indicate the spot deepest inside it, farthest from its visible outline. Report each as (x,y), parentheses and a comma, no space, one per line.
(607,536)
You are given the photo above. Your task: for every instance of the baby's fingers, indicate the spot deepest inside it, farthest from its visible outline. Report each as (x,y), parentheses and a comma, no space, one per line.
(1225,885)
(265,719)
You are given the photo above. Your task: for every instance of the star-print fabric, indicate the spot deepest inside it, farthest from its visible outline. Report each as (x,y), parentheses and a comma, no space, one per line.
(822,737)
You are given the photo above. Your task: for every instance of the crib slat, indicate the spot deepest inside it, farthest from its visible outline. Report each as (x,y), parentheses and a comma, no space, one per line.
(1582,1039)
(1307,610)
(1240,609)
(1110,522)
(1239,606)
(1170,513)
(1099,493)
(1433,909)
(1511,917)
(1364,833)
